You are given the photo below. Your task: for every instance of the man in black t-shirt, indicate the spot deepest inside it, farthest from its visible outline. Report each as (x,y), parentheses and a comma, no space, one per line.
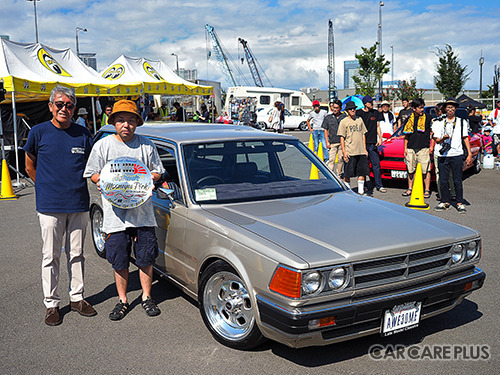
(475,121)
(417,130)
(179,113)
(371,117)
(404,113)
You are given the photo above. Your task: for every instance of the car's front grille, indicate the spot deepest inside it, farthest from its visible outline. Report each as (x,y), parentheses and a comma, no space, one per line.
(401,267)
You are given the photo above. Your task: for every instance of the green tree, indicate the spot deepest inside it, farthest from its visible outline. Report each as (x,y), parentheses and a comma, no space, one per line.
(371,70)
(406,90)
(451,75)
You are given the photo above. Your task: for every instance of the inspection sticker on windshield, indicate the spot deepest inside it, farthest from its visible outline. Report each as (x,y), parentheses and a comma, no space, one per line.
(208,194)
(401,318)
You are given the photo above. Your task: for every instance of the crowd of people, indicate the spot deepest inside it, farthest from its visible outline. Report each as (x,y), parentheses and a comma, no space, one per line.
(350,142)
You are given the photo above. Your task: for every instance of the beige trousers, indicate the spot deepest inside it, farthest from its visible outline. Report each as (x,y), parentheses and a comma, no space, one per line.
(57,227)
(335,151)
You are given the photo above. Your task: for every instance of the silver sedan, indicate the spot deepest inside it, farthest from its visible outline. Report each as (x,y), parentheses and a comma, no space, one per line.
(274,246)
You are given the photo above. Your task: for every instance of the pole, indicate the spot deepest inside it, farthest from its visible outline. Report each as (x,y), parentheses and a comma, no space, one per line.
(14,120)
(93,115)
(36,21)
(381,4)
(481,62)
(77,48)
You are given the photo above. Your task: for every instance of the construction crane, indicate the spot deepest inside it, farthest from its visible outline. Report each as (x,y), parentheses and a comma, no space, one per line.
(253,64)
(332,89)
(224,59)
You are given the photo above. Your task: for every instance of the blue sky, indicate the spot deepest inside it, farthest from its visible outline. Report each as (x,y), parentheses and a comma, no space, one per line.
(288,37)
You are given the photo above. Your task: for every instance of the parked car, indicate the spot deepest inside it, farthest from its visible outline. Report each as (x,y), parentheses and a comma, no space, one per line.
(291,121)
(249,235)
(392,158)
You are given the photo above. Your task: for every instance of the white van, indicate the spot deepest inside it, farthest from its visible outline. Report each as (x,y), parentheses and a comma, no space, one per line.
(294,101)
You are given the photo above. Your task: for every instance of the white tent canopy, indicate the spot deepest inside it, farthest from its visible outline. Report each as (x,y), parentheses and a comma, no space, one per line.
(157,78)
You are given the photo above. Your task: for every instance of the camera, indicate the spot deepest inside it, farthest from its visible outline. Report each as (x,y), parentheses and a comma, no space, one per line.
(445,148)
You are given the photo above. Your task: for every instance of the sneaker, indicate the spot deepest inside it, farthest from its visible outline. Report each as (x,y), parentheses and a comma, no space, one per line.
(150,307)
(119,311)
(52,316)
(461,208)
(442,206)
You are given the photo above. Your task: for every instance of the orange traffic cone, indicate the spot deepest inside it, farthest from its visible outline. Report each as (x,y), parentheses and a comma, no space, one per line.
(7,192)
(417,194)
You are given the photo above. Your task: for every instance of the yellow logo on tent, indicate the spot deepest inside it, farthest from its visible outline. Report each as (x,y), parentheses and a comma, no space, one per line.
(152,71)
(114,71)
(51,64)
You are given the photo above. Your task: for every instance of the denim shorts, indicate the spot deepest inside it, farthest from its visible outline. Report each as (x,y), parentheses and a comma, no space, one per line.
(118,247)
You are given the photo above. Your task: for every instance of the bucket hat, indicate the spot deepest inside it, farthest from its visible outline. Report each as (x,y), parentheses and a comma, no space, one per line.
(82,111)
(451,101)
(125,106)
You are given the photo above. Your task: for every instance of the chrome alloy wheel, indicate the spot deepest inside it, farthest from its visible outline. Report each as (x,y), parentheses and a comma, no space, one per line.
(227,306)
(97,233)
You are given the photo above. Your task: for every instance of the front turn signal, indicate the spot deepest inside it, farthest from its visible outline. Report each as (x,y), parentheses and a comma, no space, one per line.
(286,282)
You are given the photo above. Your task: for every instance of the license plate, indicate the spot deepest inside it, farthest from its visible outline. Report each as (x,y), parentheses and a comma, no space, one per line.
(399,174)
(401,318)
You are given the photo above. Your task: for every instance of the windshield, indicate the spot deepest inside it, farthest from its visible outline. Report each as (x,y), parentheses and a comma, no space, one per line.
(239,171)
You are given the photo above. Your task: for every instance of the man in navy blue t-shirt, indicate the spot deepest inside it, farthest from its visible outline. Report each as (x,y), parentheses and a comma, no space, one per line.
(56,154)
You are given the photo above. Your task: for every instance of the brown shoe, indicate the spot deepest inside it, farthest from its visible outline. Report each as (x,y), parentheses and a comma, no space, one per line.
(83,308)
(52,317)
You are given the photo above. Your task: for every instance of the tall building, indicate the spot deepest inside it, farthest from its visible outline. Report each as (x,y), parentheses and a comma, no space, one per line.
(351,68)
(188,74)
(89,59)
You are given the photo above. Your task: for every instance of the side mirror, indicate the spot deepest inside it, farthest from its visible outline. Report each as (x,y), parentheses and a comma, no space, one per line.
(166,194)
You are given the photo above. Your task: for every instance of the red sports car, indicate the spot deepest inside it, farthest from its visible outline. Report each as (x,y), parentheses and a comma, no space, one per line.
(392,159)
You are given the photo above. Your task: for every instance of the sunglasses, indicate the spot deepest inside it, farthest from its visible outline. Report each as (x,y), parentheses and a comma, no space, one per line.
(69,106)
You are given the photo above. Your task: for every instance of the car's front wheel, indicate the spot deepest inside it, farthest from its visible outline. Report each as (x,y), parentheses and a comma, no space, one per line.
(303,126)
(97,234)
(261,125)
(226,307)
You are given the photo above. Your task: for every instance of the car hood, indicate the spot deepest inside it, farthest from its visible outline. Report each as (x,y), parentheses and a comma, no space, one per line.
(340,227)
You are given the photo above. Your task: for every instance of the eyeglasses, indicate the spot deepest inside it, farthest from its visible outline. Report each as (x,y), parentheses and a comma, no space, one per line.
(69,106)
(351,109)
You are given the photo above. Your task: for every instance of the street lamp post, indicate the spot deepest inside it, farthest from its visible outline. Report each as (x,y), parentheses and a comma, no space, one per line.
(481,62)
(36,21)
(392,66)
(77,46)
(177,60)
(379,41)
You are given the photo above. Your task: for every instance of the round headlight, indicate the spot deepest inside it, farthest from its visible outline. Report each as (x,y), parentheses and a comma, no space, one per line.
(457,253)
(311,282)
(339,278)
(472,248)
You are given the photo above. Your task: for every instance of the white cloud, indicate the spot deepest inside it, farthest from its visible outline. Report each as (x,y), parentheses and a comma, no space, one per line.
(288,37)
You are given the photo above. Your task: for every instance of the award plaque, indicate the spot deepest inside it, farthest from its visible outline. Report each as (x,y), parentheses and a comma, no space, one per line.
(126,182)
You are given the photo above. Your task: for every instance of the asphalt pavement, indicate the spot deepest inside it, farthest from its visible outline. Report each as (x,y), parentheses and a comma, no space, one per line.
(177,342)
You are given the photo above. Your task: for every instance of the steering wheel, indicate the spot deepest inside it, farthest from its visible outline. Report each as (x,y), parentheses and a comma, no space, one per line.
(207,178)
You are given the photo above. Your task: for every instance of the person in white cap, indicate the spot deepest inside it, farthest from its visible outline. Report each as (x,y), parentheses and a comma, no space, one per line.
(82,117)
(387,125)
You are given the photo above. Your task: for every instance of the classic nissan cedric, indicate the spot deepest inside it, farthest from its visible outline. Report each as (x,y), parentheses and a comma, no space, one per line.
(270,253)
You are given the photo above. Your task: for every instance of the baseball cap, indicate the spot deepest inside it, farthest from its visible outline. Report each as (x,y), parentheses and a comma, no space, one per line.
(367,99)
(315,103)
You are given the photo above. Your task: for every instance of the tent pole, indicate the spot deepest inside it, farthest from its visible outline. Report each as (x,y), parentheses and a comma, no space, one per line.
(14,120)
(93,114)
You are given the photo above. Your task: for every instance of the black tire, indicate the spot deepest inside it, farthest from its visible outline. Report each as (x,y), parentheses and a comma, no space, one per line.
(96,228)
(303,126)
(231,324)
(477,165)
(261,125)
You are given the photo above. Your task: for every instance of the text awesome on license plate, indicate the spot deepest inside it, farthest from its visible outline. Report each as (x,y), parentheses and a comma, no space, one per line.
(399,174)
(401,318)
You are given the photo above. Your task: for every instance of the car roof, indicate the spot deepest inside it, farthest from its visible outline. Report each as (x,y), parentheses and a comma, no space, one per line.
(201,132)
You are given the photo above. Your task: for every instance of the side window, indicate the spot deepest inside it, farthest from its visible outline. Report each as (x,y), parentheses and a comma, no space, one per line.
(295,100)
(265,99)
(169,161)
